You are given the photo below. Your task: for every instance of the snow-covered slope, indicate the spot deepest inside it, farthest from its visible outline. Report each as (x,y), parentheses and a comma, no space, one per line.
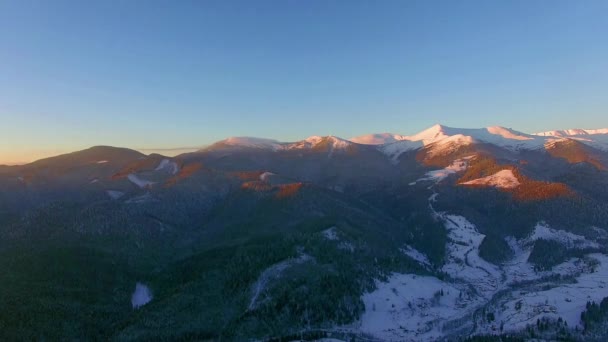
(439,175)
(168,166)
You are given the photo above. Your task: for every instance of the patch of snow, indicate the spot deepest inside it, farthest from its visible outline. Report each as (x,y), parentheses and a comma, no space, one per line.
(264,176)
(141,296)
(347,246)
(114,194)
(396,149)
(410,307)
(147,197)
(330,234)
(94,181)
(142,183)
(566,300)
(416,255)
(518,269)
(570,240)
(462,253)
(168,165)
(102,161)
(439,175)
(602,234)
(504,179)
(271,273)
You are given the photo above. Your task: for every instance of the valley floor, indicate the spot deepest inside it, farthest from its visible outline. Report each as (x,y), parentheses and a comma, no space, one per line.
(477,297)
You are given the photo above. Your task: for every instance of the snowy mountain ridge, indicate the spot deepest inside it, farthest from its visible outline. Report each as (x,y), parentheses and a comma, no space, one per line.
(571,132)
(275,145)
(395,144)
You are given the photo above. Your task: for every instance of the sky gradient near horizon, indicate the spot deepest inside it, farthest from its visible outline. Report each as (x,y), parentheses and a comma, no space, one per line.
(167,74)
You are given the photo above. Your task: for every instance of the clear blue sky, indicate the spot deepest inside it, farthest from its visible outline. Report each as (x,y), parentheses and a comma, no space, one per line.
(149,74)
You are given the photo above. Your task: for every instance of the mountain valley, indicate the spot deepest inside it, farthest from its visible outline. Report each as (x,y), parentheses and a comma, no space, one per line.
(446,235)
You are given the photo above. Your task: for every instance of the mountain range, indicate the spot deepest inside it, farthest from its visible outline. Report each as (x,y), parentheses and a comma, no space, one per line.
(448,234)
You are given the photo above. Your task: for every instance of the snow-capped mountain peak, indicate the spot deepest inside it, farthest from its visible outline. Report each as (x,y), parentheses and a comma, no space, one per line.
(494,134)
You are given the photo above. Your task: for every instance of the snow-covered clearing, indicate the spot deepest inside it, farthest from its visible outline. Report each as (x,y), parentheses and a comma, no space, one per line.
(570,240)
(396,149)
(458,165)
(115,194)
(416,255)
(142,183)
(410,307)
(271,273)
(141,296)
(330,234)
(147,197)
(566,300)
(463,260)
(264,176)
(168,166)
(504,179)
